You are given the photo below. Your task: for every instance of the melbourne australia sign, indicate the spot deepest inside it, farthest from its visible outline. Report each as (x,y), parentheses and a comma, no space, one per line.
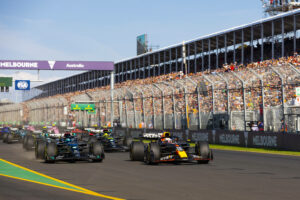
(56,65)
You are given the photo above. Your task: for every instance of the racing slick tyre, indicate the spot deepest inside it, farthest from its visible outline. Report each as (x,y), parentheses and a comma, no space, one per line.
(30,143)
(202,149)
(92,140)
(50,153)
(5,137)
(97,151)
(84,138)
(128,141)
(211,155)
(79,136)
(9,138)
(40,149)
(25,141)
(136,151)
(153,154)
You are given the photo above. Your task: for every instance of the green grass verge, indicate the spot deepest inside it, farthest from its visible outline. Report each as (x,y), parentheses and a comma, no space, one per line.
(254,150)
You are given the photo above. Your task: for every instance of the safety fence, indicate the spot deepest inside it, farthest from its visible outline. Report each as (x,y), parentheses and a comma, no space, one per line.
(261,96)
(264,96)
(268,140)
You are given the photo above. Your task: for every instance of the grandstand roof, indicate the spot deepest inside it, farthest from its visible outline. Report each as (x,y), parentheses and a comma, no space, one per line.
(246,27)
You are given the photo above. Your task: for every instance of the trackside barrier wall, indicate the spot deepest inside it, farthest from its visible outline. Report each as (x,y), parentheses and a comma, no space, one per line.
(280,141)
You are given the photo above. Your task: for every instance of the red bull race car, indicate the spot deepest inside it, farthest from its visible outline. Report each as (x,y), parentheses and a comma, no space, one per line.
(165,148)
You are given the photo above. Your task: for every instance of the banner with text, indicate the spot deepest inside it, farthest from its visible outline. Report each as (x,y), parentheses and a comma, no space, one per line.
(56,65)
(89,107)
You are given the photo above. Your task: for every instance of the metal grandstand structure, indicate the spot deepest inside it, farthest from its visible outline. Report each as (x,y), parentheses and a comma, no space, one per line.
(275,7)
(268,38)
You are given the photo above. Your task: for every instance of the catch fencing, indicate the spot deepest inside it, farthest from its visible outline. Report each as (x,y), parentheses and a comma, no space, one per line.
(265,96)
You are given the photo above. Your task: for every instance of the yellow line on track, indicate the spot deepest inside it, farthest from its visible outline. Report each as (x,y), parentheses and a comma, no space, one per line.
(80,189)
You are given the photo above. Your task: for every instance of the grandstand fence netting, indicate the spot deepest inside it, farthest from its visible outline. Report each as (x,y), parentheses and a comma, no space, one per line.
(264,96)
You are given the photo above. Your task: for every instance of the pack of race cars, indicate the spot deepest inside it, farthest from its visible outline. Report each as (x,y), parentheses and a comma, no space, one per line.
(90,144)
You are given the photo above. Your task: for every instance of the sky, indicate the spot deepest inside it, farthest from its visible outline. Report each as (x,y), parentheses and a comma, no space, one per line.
(102,30)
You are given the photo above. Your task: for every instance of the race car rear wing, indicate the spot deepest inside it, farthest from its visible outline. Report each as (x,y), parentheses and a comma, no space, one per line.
(89,129)
(37,131)
(97,131)
(151,135)
(56,135)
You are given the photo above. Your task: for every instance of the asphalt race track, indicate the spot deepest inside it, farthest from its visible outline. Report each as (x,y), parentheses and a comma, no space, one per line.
(232,175)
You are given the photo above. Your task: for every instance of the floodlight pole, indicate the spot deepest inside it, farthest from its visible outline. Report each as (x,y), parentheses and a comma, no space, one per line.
(112,83)
(184,57)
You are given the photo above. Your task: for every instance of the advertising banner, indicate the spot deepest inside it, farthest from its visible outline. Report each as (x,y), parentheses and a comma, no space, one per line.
(22,84)
(297,91)
(141,41)
(56,65)
(89,107)
(5,81)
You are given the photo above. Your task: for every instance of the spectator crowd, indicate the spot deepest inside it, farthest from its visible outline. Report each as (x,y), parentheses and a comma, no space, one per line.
(234,87)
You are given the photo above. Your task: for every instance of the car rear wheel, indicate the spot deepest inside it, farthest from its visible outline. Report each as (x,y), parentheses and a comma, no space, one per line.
(85,138)
(136,151)
(50,153)
(9,138)
(202,149)
(5,137)
(92,139)
(79,136)
(40,149)
(25,141)
(30,143)
(97,151)
(153,153)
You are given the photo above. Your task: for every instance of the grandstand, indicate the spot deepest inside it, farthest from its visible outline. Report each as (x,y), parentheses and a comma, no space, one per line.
(274,7)
(225,98)
(269,38)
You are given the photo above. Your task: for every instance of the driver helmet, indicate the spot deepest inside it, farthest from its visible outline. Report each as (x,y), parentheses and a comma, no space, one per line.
(166,135)
(91,133)
(67,135)
(105,134)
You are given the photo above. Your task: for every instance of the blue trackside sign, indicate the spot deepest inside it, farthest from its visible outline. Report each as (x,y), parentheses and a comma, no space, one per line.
(22,84)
